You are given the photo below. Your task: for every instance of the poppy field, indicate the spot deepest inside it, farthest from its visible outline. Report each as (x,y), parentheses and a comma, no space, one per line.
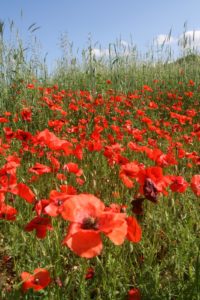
(99,190)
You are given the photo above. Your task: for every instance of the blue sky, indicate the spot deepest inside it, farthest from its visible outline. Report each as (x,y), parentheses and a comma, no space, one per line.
(103,20)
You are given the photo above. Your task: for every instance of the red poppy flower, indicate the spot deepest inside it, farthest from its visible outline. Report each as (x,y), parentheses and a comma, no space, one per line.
(26,114)
(80,181)
(36,281)
(134,294)
(68,189)
(8,182)
(25,192)
(89,218)
(3,120)
(73,168)
(128,172)
(55,163)
(13,162)
(9,134)
(23,135)
(56,201)
(153,105)
(147,88)
(166,160)
(40,205)
(178,184)
(7,212)
(40,169)
(152,182)
(134,232)
(53,142)
(30,86)
(195,184)
(90,273)
(41,225)
(78,152)
(61,177)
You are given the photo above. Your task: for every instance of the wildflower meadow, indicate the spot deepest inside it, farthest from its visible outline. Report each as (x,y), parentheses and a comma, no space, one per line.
(99,178)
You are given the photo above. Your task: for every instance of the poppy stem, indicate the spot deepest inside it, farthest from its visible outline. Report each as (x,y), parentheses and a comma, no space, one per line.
(100,264)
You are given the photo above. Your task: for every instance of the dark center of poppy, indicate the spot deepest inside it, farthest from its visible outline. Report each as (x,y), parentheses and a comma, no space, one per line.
(90,223)
(59,202)
(38,221)
(36,280)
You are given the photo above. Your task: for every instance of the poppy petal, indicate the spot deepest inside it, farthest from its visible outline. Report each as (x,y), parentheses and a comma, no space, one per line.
(79,207)
(134,231)
(85,243)
(114,226)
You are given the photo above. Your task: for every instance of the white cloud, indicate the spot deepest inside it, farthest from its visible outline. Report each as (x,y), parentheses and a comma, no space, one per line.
(164,39)
(190,39)
(123,49)
(120,49)
(124,43)
(97,52)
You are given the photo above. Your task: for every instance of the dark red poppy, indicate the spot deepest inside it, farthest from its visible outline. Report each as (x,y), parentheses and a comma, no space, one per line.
(90,273)
(150,190)
(137,206)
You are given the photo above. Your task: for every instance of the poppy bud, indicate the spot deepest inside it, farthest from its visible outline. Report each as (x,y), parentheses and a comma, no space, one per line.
(150,190)
(137,206)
